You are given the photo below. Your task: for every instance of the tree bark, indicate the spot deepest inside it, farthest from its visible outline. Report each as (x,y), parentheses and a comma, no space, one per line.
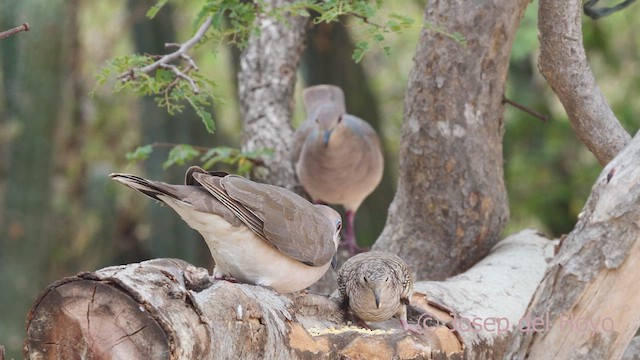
(166,308)
(451,202)
(266,84)
(586,290)
(563,62)
(490,299)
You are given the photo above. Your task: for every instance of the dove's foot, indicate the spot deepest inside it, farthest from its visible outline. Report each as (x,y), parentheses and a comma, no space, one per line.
(362,323)
(410,327)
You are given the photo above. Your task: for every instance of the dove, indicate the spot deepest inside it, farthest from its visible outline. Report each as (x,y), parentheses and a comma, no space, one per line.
(257,233)
(376,286)
(337,156)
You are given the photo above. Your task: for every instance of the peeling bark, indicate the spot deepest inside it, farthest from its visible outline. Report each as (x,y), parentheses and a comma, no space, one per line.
(451,201)
(563,62)
(594,275)
(266,84)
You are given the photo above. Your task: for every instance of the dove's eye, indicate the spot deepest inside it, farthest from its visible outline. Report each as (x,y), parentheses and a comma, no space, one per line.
(338,225)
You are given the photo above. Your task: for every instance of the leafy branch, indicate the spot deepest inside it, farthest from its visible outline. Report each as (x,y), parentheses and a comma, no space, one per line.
(174,79)
(180,154)
(376,31)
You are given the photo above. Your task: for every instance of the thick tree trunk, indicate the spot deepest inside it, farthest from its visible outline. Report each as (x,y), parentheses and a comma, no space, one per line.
(563,62)
(167,308)
(266,83)
(590,291)
(451,203)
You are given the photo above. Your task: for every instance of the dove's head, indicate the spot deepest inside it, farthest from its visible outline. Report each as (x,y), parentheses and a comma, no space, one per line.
(327,118)
(334,218)
(375,277)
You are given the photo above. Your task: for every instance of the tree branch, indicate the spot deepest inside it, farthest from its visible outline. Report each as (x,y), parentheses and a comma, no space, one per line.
(563,63)
(15,30)
(181,53)
(543,118)
(589,289)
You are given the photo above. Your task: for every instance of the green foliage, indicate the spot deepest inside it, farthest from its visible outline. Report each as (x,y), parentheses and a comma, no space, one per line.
(245,161)
(174,81)
(170,92)
(180,154)
(364,12)
(140,153)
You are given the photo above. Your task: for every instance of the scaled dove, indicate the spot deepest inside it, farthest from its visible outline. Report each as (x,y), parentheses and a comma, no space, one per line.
(337,156)
(376,286)
(257,233)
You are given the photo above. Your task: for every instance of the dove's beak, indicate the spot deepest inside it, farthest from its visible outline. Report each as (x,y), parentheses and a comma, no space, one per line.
(325,137)
(334,261)
(376,295)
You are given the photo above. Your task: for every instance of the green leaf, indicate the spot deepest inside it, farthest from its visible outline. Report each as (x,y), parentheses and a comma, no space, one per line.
(140,153)
(361,48)
(180,154)
(151,13)
(203,113)
(244,166)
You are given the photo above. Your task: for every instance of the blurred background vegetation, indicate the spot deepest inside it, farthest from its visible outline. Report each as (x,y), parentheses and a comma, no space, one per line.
(60,213)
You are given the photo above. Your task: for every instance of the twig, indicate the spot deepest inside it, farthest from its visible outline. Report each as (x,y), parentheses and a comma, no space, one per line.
(531,112)
(164,61)
(15,30)
(182,75)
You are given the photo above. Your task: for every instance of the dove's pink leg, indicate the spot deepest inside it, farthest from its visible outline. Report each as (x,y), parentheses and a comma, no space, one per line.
(349,240)
(409,327)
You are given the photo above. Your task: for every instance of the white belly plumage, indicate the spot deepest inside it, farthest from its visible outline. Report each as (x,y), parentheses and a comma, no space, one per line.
(241,254)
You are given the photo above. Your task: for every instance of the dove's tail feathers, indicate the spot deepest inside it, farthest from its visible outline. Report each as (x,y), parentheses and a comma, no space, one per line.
(319,95)
(150,188)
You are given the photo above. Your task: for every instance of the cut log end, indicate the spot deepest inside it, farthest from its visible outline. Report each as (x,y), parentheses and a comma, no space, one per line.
(96,319)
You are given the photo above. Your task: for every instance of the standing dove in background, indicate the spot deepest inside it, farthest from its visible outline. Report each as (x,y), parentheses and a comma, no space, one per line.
(337,156)
(257,233)
(375,286)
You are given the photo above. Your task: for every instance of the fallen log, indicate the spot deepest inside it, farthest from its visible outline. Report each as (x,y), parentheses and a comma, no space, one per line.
(167,308)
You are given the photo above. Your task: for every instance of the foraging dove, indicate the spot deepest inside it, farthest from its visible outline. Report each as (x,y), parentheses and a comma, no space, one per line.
(337,156)
(257,233)
(375,286)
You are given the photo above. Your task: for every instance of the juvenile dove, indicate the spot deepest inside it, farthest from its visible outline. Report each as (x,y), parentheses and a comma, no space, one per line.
(337,156)
(257,233)
(375,286)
